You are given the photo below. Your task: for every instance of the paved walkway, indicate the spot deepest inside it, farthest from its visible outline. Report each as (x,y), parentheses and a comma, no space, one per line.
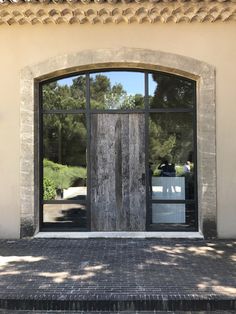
(118,274)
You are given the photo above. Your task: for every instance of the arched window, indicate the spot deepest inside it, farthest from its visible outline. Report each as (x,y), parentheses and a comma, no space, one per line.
(118,152)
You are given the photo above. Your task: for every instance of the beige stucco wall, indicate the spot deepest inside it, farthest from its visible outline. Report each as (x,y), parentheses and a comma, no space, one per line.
(28,45)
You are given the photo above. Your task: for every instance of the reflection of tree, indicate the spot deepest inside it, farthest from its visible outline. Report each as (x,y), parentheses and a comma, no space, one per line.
(171,134)
(170,137)
(65,139)
(65,134)
(161,144)
(56,96)
(172,91)
(105,96)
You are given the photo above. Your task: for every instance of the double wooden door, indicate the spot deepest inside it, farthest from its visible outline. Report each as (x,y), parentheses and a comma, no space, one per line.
(118,187)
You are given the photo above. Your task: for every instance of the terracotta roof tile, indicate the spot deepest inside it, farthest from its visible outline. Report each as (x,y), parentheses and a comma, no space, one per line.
(107,1)
(20,12)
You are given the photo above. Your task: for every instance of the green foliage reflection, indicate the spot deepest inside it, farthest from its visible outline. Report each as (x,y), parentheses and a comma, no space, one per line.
(57,176)
(171,91)
(105,96)
(65,135)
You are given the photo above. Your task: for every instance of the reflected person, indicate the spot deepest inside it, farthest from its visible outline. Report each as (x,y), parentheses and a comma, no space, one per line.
(167,169)
(187,168)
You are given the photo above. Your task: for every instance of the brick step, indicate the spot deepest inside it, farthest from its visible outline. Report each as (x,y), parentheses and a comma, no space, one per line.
(114,306)
(120,312)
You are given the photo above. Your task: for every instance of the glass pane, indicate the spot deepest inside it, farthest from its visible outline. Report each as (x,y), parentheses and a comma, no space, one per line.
(168,188)
(174,214)
(117,90)
(190,214)
(168,213)
(66,94)
(65,213)
(64,156)
(168,91)
(171,151)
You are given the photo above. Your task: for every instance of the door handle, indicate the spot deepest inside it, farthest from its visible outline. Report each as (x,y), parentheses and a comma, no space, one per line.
(143,179)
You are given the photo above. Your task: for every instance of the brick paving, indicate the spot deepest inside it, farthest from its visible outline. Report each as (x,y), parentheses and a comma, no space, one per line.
(115,275)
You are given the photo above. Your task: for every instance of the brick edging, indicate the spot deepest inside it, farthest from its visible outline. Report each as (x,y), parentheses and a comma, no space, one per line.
(160,304)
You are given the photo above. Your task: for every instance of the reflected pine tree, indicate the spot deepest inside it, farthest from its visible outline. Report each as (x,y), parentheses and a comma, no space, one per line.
(171,134)
(171,91)
(170,138)
(104,95)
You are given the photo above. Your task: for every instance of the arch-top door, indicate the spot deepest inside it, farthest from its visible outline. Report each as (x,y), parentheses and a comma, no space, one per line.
(118,152)
(33,76)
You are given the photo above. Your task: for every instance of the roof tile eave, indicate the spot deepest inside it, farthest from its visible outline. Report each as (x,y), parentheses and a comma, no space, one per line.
(2,2)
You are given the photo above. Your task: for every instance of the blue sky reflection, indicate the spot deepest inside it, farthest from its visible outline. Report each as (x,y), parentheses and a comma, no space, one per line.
(133,82)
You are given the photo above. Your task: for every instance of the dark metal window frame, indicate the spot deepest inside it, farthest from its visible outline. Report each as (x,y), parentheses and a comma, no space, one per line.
(88,112)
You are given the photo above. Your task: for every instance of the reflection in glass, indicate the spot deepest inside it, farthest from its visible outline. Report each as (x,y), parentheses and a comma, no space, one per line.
(172,188)
(190,214)
(168,213)
(173,214)
(66,94)
(65,213)
(117,90)
(64,156)
(171,156)
(168,91)
(171,141)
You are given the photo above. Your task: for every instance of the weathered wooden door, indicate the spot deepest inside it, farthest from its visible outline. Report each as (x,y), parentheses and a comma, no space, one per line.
(118,192)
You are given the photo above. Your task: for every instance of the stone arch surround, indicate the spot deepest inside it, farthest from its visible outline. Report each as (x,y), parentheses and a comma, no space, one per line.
(201,72)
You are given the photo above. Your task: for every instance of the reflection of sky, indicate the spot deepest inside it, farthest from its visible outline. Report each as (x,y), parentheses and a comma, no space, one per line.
(133,82)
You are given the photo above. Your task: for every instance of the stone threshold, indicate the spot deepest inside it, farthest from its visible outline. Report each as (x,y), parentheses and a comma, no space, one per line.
(120,235)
